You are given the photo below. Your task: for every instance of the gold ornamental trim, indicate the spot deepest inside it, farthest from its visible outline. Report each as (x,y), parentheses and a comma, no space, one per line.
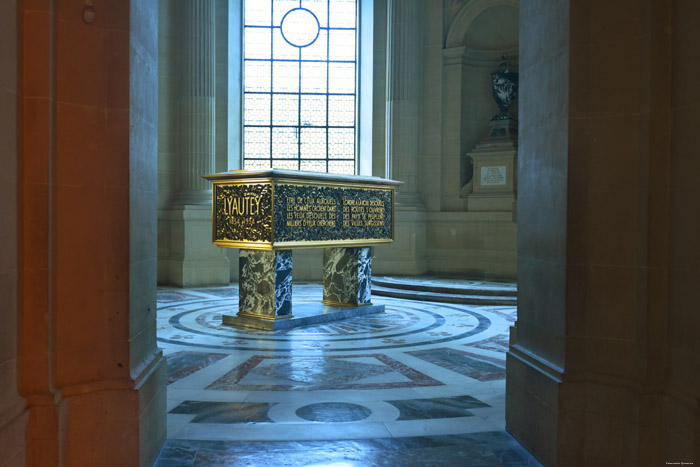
(245,314)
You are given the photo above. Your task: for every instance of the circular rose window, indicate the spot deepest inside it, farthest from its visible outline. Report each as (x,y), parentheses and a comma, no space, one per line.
(300,27)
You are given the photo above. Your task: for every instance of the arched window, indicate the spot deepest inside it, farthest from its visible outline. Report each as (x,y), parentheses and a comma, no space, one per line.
(300,99)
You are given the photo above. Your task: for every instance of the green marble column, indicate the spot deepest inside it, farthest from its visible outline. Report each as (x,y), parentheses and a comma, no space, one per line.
(347,273)
(265,288)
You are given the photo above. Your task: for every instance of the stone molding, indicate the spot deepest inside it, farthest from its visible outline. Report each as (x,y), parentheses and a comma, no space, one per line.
(466,15)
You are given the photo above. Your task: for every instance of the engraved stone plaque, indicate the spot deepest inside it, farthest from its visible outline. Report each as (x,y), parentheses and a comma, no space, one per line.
(491,176)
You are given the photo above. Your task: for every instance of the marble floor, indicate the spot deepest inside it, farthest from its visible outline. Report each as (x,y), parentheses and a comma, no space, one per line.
(422,384)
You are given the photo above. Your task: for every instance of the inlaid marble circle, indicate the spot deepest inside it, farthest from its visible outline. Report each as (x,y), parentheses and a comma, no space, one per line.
(333,412)
(194,320)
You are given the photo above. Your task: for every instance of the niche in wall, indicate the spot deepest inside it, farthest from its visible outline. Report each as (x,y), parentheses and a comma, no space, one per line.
(485,30)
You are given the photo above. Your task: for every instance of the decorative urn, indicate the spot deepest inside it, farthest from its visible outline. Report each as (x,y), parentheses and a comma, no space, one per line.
(505,88)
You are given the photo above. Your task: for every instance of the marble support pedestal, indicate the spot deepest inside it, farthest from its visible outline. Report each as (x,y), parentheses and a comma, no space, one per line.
(347,274)
(265,289)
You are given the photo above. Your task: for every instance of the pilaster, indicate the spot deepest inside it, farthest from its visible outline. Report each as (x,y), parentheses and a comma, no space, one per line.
(403,95)
(192,260)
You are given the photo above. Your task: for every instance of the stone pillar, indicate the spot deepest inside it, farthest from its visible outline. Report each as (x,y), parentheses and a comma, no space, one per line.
(88,365)
(196,105)
(13,412)
(265,289)
(194,261)
(404,79)
(404,72)
(347,276)
(604,363)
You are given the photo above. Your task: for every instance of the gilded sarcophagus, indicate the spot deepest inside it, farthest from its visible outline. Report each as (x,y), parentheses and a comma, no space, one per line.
(282,210)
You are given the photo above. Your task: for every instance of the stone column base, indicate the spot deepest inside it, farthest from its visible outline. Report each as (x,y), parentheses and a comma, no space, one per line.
(190,259)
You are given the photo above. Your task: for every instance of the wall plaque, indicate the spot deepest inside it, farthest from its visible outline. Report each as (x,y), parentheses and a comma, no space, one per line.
(493,175)
(277,209)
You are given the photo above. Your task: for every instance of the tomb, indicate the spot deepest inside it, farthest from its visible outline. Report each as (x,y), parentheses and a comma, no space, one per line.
(268,213)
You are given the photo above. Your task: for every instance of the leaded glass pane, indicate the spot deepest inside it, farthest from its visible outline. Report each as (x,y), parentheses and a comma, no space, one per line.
(341,143)
(285,109)
(285,164)
(257,109)
(313,110)
(252,164)
(257,43)
(257,13)
(284,143)
(281,7)
(341,110)
(319,8)
(341,77)
(281,48)
(341,167)
(343,13)
(300,84)
(257,142)
(313,166)
(300,27)
(257,76)
(313,143)
(313,77)
(285,76)
(318,50)
(342,44)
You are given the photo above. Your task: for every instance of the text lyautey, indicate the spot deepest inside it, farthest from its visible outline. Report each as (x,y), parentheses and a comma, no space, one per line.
(242,206)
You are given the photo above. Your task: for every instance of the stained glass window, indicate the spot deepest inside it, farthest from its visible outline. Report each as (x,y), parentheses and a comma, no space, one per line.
(299,92)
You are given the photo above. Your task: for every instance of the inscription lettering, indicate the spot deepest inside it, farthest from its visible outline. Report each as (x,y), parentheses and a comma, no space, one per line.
(363,212)
(493,175)
(310,212)
(242,206)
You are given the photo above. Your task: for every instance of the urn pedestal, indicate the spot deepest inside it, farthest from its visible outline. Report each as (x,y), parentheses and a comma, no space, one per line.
(495,161)
(493,187)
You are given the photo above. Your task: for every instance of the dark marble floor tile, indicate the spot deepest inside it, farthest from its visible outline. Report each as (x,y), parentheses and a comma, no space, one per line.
(184,363)
(177,454)
(497,343)
(462,362)
(439,407)
(319,373)
(332,412)
(487,449)
(225,412)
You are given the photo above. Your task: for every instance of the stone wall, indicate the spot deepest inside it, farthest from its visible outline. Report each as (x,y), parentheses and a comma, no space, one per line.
(89,368)
(13,415)
(604,362)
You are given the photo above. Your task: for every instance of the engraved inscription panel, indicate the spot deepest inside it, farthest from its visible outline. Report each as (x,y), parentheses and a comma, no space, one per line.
(323,213)
(493,175)
(243,212)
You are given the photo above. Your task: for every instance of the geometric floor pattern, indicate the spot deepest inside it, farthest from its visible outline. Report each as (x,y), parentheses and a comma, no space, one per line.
(421,384)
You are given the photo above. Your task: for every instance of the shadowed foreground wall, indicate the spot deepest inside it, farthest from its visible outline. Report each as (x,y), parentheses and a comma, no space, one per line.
(79,240)
(604,364)
(13,416)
